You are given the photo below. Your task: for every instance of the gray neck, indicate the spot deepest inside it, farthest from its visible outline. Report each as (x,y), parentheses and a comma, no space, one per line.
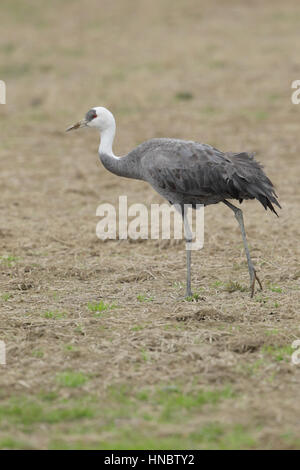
(118,165)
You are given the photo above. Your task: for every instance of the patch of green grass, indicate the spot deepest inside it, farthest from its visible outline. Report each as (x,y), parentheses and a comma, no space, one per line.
(217,64)
(137,328)
(79,329)
(179,285)
(291,439)
(10,443)
(120,394)
(70,348)
(193,297)
(210,433)
(217,436)
(145,355)
(144,298)
(261,115)
(233,286)
(209,110)
(69,414)
(261,299)
(5,296)
(125,439)
(143,395)
(100,307)
(24,13)
(238,266)
(217,284)
(8,260)
(211,436)
(275,289)
(237,439)
(55,315)
(25,411)
(37,353)
(178,401)
(15,70)
(272,332)
(71,379)
(272,97)
(184,96)
(48,396)
(252,369)
(127,415)
(279,353)
(256,115)
(8,48)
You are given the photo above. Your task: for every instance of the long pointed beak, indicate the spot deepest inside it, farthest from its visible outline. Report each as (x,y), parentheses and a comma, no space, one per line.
(78,125)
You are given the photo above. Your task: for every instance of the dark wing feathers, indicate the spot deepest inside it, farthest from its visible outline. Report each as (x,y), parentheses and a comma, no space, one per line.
(200,171)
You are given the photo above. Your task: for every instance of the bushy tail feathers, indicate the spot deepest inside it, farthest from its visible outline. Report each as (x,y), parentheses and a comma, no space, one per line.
(258,185)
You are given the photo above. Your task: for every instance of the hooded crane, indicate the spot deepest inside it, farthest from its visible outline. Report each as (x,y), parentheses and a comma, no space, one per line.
(187,172)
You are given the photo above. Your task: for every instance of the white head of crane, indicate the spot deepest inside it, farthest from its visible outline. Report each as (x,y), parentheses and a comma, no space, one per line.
(103,120)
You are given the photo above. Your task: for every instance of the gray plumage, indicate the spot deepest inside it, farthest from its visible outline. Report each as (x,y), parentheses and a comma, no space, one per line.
(186,172)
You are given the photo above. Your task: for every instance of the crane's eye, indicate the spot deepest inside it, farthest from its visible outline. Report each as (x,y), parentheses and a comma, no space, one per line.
(90,115)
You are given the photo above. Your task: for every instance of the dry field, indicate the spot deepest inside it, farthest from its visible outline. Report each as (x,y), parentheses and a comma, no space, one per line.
(100,352)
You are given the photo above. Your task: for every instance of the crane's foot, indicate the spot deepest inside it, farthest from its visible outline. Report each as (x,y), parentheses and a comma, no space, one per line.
(254,277)
(188,295)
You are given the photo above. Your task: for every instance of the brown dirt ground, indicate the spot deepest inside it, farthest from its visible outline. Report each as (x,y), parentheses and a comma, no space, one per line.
(237,60)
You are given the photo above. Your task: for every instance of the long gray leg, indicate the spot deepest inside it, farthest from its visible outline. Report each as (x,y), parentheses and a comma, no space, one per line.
(239,217)
(188,239)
